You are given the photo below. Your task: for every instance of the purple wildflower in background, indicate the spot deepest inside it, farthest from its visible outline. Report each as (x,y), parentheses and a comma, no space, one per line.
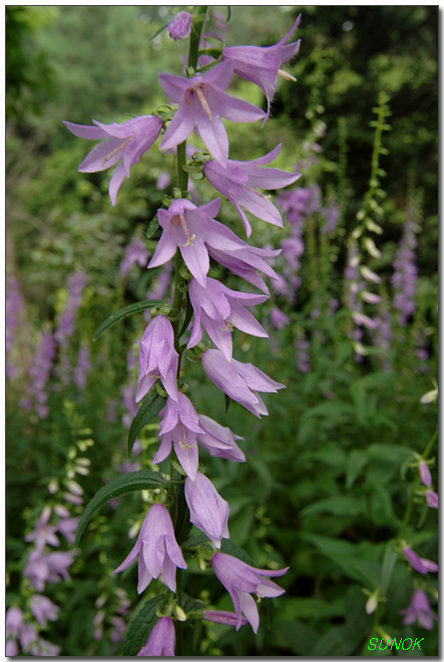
(240,381)
(161,641)
(240,580)
(43,609)
(202,102)
(331,215)
(124,146)
(51,568)
(223,617)
(163,181)
(157,550)
(193,230)
(43,533)
(179,426)
(424,473)
(13,621)
(135,253)
(39,373)
(432,499)
(419,611)
(303,362)
(180,26)
(279,319)
(158,358)
(420,565)
(218,310)
(13,311)
(208,511)
(82,368)
(248,262)
(66,320)
(238,182)
(405,275)
(219,441)
(262,64)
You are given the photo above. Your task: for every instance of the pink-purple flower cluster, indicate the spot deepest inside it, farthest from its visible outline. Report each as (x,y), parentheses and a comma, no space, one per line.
(405,275)
(192,234)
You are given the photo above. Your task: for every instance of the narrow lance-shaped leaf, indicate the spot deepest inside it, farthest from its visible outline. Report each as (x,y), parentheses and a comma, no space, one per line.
(150,407)
(133,308)
(131,482)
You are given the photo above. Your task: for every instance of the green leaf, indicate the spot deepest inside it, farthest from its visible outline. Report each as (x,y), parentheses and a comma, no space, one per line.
(337,505)
(388,565)
(356,461)
(132,482)
(230,547)
(149,408)
(141,625)
(125,312)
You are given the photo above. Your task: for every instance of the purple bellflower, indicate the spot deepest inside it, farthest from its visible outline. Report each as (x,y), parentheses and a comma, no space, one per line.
(180,26)
(218,310)
(161,641)
(247,262)
(42,568)
(262,64)
(240,580)
(208,511)
(419,611)
(238,182)
(135,253)
(43,609)
(219,441)
(179,426)
(194,230)
(432,499)
(43,533)
(158,358)
(124,146)
(424,473)
(420,565)
(157,550)
(222,617)
(240,381)
(202,102)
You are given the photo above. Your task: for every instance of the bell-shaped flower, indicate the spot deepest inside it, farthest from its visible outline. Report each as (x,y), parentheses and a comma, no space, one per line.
(240,381)
(238,182)
(193,230)
(424,473)
(202,103)
(261,64)
(161,641)
(219,441)
(180,26)
(43,609)
(222,617)
(420,565)
(419,611)
(248,263)
(218,310)
(43,533)
(179,426)
(208,511)
(240,580)
(158,358)
(124,146)
(432,499)
(157,550)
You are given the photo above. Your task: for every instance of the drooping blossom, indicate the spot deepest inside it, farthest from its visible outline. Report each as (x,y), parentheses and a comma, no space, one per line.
(43,609)
(135,253)
(162,640)
(241,579)
(193,230)
(124,146)
(405,271)
(67,318)
(424,473)
(278,319)
(208,511)
(217,309)
(43,648)
(238,182)
(180,26)
(432,499)
(82,368)
(240,381)
(248,263)
(13,622)
(262,64)
(43,533)
(420,565)
(157,549)
(219,441)
(222,617)
(51,568)
(419,611)
(158,358)
(179,426)
(28,637)
(202,103)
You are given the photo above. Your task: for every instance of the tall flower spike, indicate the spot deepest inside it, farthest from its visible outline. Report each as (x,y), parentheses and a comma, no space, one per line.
(240,381)
(239,180)
(208,511)
(158,358)
(194,231)
(241,579)
(261,64)
(202,102)
(124,146)
(218,310)
(161,641)
(179,427)
(157,550)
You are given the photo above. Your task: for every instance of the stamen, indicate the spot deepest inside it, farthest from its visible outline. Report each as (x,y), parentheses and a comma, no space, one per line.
(179,219)
(229,325)
(200,92)
(184,443)
(117,150)
(262,195)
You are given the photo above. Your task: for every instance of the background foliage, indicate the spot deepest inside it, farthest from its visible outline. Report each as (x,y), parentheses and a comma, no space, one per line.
(325,486)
